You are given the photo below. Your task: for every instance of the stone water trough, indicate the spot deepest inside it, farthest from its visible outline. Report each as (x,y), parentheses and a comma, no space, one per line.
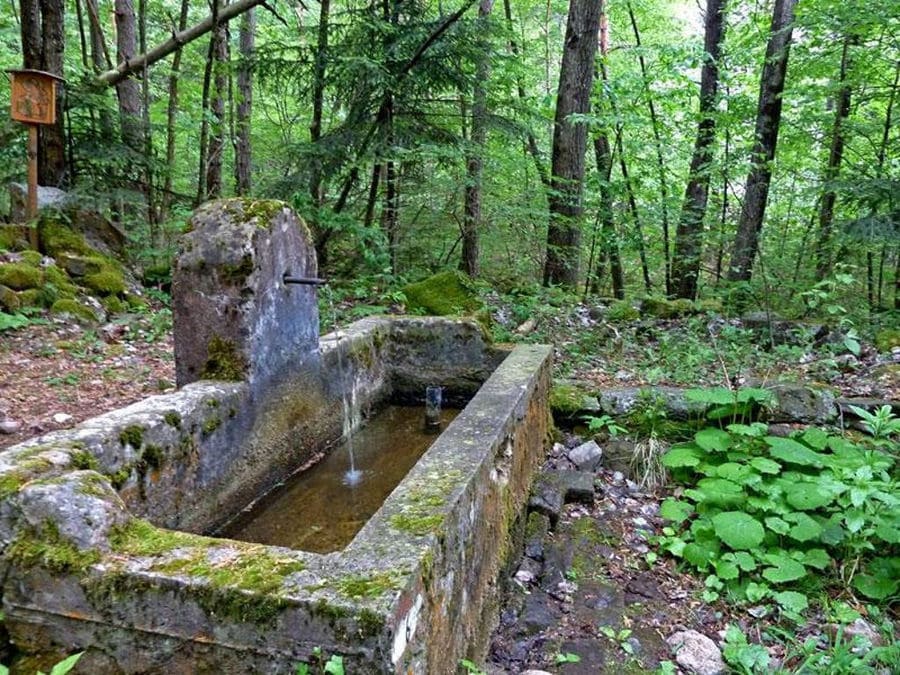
(104,528)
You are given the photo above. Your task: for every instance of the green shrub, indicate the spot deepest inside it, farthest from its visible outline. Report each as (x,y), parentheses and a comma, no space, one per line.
(762,511)
(622,310)
(20,276)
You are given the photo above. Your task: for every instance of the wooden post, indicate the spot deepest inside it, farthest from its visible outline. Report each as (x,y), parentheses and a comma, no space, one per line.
(32,209)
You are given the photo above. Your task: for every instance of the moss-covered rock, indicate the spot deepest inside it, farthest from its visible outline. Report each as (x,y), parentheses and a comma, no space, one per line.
(709,306)
(32,258)
(37,297)
(622,310)
(9,300)
(223,361)
(20,276)
(73,308)
(61,281)
(114,304)
(568,400)
(886,340)
(12,238)
(443,294)
(661,308)
(56,237)
(105,282)
(135,302)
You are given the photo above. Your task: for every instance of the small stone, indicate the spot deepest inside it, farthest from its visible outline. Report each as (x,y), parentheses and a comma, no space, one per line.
(758,612)
(577,487)
(618,477)
(586,457)
(62,418)
(696,653)
(547,497)
(859,629)
(8,426)
(534,672)
(524,577)
(536,531)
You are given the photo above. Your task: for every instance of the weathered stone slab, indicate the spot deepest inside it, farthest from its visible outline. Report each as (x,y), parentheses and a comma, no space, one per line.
(586,457)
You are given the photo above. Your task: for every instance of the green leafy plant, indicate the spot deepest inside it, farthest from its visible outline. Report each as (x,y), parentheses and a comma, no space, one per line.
(604,424)
(12,321)
(760,512)
(62,668)
(743,656)
(620,637)
(882,424)
(471,668)
(567,657)
(333,665)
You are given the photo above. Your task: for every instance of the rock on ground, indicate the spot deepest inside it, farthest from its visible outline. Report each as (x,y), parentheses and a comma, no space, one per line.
(696,653)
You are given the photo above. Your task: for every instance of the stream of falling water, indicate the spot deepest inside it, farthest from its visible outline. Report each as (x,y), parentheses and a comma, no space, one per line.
(353,476)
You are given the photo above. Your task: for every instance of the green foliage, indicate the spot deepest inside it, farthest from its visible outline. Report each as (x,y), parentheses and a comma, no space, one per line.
(12,321)
(760,512)
(604,424)
(333,665)
(567,657)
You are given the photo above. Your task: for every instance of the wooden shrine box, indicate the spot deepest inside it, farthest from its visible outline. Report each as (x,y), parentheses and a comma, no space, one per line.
(34,96)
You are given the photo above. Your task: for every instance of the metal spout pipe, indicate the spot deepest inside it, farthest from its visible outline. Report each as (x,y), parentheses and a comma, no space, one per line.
(302,281)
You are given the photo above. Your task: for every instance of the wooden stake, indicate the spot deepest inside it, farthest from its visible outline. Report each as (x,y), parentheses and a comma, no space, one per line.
(32,209)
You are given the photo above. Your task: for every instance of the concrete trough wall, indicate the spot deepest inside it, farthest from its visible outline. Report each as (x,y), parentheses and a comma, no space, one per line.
(414,591)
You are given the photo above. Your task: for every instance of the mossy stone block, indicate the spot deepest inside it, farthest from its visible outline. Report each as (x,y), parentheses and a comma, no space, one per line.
(20,276)
(443,294)
(105,282)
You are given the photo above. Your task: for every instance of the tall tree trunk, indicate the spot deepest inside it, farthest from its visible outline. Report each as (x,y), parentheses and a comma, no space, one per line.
(203,153)
(128,90)
(835,155)
(171,113)
(609,240)
(42,26)
(576,78)
(768,118)
(475,153)
(689,235)
(316,192)
(657,140)
(244,151)
(215,158)
(531,142)
(148,177)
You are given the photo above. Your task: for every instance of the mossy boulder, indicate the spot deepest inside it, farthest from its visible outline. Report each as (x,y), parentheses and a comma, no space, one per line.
(36,297)
(57,238)
(446,293)
(886,340)
(661,308)
(114,304)
(621,310)
(20,276)
(12,238)
(56,277)
(568,400)
(105,282)
(75,309)
(9,300)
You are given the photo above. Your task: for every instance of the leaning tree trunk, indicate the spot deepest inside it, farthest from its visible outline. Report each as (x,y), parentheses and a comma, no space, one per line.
(768,118)
(835,156)
(576,78)
(171,113)
(243,150)
(475,154)
(689,235)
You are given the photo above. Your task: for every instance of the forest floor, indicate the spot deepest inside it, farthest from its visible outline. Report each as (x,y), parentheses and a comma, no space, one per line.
(615,602)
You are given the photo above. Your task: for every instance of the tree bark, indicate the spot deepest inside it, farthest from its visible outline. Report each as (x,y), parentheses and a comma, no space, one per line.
(835,156)
(689,234)
(609,240)
(768,118)
(316,193)
(127,90)
(42,29)
(244,149)
(475,154)
(171,113)
(657,140)
(576,78)
(215,154)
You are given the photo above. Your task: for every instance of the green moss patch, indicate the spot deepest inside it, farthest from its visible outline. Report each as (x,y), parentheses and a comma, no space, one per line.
(46,548)
(566,400)
(20,276)
(443,294)
(371,586)
(622,310)
(105,282)
(132,435)
(73,308)
(223,362)
(886,340)
(9,300)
